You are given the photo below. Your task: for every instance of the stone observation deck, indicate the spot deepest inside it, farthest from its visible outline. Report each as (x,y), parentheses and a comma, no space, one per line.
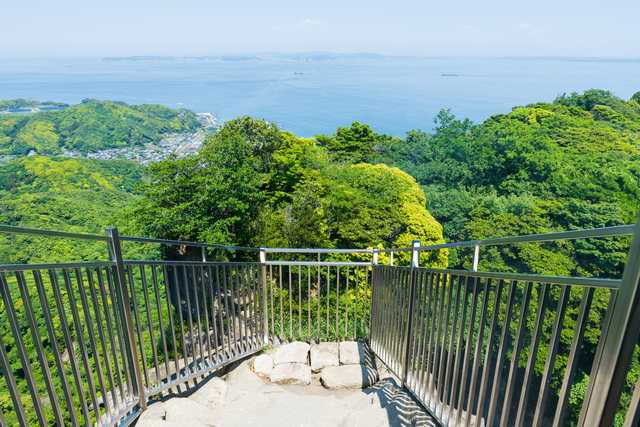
(331,385)
(287,338)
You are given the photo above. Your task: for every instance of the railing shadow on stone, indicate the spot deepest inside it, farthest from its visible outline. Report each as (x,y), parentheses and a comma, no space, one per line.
(467,345)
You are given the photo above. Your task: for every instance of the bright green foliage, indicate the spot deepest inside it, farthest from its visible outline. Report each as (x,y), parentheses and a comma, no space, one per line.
(91,126)
(27,103)
(353,144)
(252,184)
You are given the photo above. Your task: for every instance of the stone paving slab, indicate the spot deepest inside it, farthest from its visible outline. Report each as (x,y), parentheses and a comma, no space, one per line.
(323,355)
(296,352)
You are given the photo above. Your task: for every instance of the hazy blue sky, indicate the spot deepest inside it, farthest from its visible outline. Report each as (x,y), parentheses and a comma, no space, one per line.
(469,28)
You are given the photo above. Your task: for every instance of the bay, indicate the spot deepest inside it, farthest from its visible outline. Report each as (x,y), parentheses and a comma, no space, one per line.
(392,94)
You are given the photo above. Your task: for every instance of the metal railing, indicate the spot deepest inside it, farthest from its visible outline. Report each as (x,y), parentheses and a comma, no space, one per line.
(468,344)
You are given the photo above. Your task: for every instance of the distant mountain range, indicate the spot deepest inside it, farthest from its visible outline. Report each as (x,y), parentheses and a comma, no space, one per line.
(283,56)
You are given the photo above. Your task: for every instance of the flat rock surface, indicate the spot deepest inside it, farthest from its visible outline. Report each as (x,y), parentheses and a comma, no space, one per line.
(265,404)
(351,353)
(212,394)
(296,352)
(263,365)
(348,376)
(323,355)
(291,374)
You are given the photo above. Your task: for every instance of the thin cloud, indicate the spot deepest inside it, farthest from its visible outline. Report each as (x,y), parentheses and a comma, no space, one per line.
(526,29)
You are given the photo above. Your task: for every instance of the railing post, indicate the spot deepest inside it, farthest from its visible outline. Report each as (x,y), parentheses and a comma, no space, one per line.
(618,341)
(265,313)
(124,307)
(374,264)
(476,257)
(415,263)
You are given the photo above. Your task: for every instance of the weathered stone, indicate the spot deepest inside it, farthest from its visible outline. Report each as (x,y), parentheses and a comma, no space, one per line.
(243,378)
(291,374)
(263,365)
(186,411)
(351,353)
(296,352)
(212,394)
(324,354)
(348,376)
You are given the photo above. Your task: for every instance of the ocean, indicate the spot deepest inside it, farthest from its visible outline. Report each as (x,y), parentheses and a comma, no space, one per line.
(392,94)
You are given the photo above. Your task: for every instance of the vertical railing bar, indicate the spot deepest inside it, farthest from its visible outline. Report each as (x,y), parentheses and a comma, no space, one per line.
(456,368)
(214,316)
(207,333)
(409,309)
(242,289)
(19,342)
(551,355)
(467,353)
(384,315)
(37,341)
(397,325)
(115,250)
(152,338)
(393,313)
(226,345)
(300,301)
(346,307)
(234,310)
(504,336)
(13,386)
(281,335)
(328,298)
(103,343)
(318,292)
(434,292)
(273,324)
(422,375)
(517,348)
(436,356)
(309,304)
(337,298)
(112,339)
(476,358)
(418,341)
(290,305)
(238,334)
(165,275)
(127,361)
(233,350)
(165,350)
(533,353)
(366,318)
(231,312)
(196,303)
(572,362)
(136,313)
(92,341)
(447,399)
(248,307)
(44,304)
(489,350)
(192,331)
(185,356)
(256,306)
(355,314)
(402,319)
(441,390)
(81,343)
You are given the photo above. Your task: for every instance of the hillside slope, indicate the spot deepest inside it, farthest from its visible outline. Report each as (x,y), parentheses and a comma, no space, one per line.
(91,126)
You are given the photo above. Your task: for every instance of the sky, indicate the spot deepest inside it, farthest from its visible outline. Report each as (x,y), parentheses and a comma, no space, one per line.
(73,28)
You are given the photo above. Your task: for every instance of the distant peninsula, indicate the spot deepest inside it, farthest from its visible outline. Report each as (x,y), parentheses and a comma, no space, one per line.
(274,56)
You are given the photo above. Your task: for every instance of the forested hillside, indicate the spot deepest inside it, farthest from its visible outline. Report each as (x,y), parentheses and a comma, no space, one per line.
(569,164)
(90,126)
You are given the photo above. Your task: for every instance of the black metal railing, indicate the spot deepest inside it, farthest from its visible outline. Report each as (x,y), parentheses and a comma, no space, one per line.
(92,342)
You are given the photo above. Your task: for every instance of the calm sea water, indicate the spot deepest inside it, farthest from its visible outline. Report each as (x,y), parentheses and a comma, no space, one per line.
(393,95)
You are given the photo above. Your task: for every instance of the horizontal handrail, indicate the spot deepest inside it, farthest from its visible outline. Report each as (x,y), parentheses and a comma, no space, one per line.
(53,266)
(51,233)
(322,263)
(620,230)
(184,243)
(588,282)
(187,263)
(320,251)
